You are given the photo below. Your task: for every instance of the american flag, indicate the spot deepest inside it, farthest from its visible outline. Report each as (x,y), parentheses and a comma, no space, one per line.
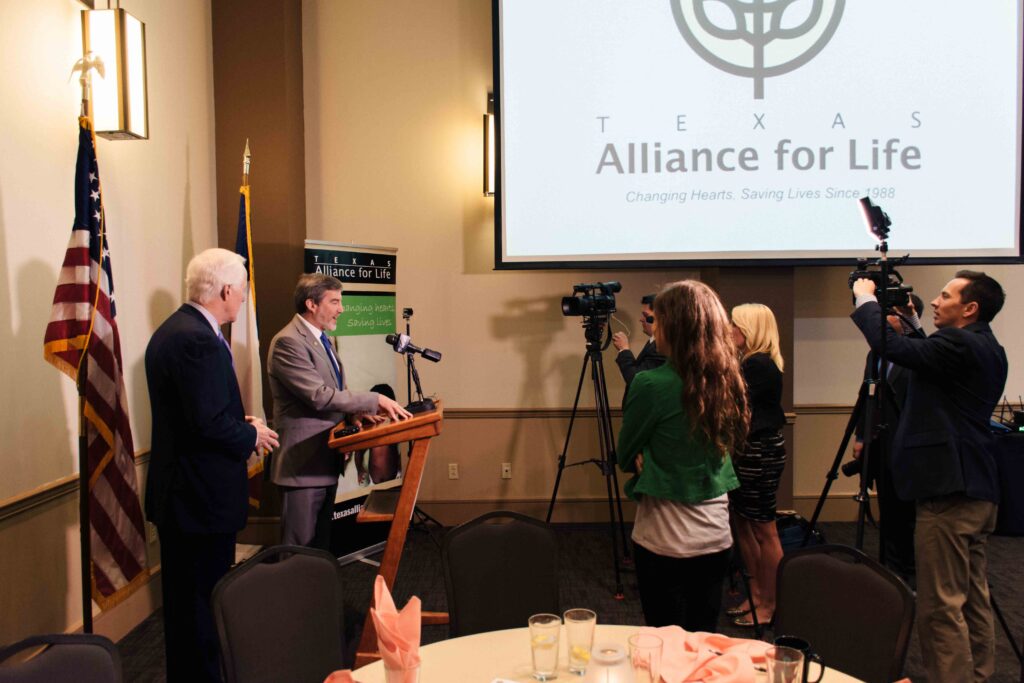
(82,328)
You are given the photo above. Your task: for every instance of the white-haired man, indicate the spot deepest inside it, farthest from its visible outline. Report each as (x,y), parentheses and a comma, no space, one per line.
(196,492)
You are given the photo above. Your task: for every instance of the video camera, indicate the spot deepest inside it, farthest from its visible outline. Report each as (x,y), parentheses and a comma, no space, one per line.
(591,300)
(896,293)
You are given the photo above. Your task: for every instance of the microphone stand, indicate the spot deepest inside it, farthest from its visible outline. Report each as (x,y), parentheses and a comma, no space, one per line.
(421,405)
(407,315)
(420,519)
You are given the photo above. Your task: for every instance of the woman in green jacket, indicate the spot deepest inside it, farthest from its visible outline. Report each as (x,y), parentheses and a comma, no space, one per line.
(679,425)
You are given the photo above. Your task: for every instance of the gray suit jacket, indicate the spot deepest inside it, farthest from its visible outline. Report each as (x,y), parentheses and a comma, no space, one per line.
(307,403)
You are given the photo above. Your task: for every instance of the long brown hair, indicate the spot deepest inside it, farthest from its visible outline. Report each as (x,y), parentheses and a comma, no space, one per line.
(694,327)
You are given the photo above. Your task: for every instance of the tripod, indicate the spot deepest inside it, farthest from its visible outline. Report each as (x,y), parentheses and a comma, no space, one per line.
(863,502)
(593,329)
(873,395)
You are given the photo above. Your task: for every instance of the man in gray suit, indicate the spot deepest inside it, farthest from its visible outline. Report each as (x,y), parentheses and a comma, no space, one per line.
(307,381)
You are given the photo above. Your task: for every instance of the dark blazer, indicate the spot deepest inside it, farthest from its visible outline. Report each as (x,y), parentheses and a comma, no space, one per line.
(897,380)
(197,470)
(629,365)
(764,393)
(943,443)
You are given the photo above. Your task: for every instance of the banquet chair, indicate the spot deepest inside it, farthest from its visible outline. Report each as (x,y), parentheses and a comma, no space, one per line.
(856,614)
(499,569)
(81,657)
(279,617)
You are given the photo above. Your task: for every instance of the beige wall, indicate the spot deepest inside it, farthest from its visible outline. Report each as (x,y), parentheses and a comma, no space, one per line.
(159,197)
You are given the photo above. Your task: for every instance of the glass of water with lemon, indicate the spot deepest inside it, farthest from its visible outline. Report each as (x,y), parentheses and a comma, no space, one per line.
(579,629)
(544,630)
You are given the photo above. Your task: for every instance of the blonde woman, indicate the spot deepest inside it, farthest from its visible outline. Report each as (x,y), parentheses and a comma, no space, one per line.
(679,425)
(759,463)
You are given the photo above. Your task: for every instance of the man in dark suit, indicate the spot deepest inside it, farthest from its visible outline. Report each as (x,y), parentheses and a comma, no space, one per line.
(944,459)
(649,357)
(307,381)
(197,488)
(896,521)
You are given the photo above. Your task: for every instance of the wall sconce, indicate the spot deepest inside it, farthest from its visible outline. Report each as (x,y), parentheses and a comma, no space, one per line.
(118,100)
(489,147)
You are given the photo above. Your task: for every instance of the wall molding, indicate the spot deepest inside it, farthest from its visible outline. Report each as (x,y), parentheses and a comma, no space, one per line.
(49,492)
(68,486)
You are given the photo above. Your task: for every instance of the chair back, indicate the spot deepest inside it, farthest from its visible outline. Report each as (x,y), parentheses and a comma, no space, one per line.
(499,569)
(82,657)
(279,617)
(854,612)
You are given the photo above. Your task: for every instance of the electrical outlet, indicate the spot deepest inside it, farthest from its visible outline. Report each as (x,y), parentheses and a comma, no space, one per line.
(506,470)
(453,470)
(151,532)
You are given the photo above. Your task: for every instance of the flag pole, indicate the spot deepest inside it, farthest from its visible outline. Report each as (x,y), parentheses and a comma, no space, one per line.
(246,161)
(84,518)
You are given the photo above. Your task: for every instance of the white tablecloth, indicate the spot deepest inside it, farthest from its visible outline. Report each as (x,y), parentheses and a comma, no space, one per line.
(483,657)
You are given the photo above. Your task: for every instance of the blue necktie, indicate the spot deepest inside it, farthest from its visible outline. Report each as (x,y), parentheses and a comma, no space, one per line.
(330,357)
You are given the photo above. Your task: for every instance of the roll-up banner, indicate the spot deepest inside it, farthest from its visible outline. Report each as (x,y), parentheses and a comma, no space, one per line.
(368,275)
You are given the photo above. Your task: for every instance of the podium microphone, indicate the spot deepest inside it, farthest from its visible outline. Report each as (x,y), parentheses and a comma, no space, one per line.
(401,343)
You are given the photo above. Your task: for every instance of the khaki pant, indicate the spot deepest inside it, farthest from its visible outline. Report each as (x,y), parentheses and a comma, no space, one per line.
(954,616)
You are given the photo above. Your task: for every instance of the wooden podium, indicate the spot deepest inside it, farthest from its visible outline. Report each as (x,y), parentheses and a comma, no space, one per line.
(392,505)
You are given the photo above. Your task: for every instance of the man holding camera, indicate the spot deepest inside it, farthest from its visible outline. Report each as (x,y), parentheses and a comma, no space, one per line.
(944,458)
(649,357)
(897,516)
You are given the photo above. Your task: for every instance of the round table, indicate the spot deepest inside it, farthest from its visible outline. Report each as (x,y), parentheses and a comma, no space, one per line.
(484,657)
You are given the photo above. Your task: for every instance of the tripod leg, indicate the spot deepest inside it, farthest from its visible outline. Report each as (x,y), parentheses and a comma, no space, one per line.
(833,471)
(1006,628)
(610,456)
(608,467)
(568,435)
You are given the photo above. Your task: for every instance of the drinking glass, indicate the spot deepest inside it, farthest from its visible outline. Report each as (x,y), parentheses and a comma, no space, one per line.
(785,665)
(544,630)
(579,629)
(645,657)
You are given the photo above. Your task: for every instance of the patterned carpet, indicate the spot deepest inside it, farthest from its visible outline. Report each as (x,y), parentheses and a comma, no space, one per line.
(587,580)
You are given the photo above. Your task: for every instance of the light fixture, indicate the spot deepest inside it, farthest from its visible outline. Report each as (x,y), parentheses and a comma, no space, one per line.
(118,99)
(489,147)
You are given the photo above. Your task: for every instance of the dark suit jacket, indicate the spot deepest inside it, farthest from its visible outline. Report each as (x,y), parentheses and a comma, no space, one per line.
(629,365)
(897,380)
(943,443)
(197,469)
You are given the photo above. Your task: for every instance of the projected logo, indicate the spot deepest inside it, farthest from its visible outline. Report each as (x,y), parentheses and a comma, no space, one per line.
(757,39)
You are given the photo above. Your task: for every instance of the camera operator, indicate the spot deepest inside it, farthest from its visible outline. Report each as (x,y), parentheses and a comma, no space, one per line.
(943,458)
(649,357)
(897,516)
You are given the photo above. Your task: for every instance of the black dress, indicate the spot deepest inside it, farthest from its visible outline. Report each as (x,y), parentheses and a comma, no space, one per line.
(761,460)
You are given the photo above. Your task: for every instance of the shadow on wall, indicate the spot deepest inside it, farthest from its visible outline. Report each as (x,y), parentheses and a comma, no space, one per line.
(531,325)
(34,425)
(161,305)
(188,245)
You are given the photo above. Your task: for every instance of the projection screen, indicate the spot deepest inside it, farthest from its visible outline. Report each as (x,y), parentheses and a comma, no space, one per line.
(644,132)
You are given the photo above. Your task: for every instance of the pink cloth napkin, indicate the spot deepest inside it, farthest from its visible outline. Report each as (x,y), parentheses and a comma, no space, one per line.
(398,633)
(709,657)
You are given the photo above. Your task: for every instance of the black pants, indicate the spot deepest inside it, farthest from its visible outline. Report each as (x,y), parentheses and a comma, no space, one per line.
(686,592)
(191,565)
